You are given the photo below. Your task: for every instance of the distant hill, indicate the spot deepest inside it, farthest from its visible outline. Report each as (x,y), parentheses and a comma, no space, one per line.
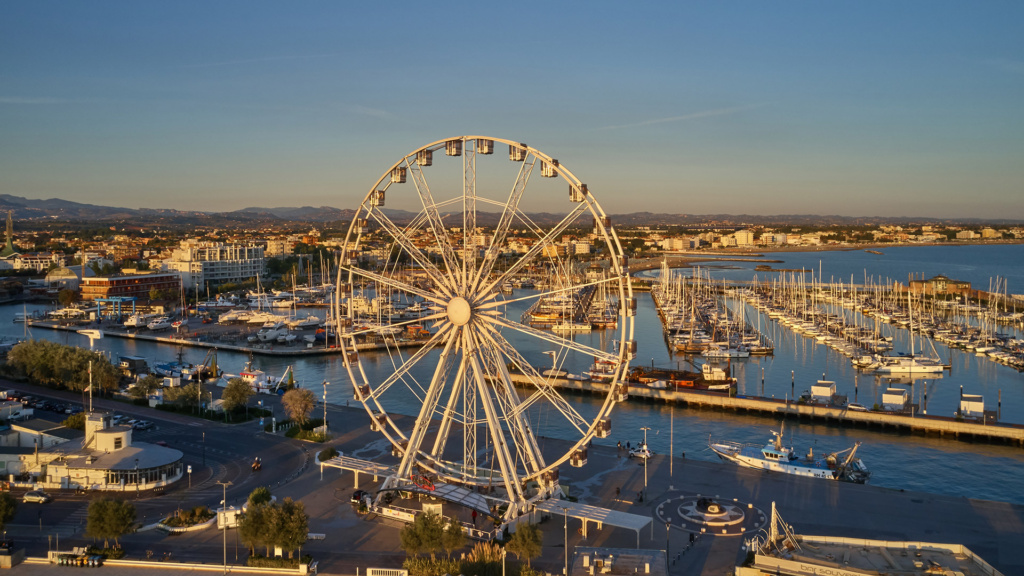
(57,209)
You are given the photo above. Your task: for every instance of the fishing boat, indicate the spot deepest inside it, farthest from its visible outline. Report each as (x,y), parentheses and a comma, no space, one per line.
(773,456)
(261,382)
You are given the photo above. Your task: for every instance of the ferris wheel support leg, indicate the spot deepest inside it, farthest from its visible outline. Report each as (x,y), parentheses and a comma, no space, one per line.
(505,462)
(424,418)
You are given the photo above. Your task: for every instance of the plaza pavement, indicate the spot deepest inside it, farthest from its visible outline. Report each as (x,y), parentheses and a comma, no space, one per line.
(353,543)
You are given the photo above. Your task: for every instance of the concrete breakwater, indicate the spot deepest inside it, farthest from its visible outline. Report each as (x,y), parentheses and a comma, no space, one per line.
(914,423)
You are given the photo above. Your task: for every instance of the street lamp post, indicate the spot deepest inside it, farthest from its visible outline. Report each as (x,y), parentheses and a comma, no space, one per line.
(325,409)
(224,520)
(667,555)
(136,477)
(204,449)
(647,456)
(565,516)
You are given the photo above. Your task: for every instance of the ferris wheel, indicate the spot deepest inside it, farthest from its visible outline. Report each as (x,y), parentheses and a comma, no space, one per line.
(461,313)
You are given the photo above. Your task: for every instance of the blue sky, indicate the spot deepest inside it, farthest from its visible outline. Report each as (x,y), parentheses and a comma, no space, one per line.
(854,108)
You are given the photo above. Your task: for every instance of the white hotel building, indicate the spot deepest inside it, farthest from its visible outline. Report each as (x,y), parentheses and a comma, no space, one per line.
(207,263)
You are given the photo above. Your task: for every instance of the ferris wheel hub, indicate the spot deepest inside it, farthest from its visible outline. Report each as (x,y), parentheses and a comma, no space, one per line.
(459,311)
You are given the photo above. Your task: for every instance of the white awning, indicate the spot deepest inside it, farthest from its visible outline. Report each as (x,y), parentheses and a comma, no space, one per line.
(594,514)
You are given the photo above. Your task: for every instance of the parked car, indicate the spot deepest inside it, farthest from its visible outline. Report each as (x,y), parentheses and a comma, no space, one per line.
(359,495)
(142,425)
(37,496)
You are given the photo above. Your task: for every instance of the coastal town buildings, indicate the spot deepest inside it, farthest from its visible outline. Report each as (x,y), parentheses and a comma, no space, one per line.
(104,458)
(129,285)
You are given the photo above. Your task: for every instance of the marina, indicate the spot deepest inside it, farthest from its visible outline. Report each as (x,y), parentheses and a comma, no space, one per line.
(901,455)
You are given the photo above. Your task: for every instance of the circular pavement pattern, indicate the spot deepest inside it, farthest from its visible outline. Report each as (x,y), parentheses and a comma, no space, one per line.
(711,515)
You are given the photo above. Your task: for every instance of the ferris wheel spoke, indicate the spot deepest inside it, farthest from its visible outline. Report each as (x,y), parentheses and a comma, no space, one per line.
(544,390)
(449,414)
(538,247)
(398,235)
(408,365)
(556,340)
(514,412)
(507,217)
(440,233)
(501,451)
(539,295)
(424,419)
(381,329)
(398,285)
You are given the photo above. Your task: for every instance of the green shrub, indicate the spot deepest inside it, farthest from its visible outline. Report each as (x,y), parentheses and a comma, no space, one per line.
(115,553)
(258,561)
(328,453)
(184,518)
(426,566)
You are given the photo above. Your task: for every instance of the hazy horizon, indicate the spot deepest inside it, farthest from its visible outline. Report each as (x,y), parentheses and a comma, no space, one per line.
(850,109)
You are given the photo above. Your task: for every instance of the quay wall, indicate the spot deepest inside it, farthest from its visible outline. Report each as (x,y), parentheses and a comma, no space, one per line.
(937,425)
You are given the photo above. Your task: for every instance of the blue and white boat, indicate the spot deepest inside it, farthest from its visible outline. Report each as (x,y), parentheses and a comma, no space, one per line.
(773,456)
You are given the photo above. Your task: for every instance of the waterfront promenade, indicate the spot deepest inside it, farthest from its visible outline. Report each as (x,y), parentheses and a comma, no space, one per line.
(610,479)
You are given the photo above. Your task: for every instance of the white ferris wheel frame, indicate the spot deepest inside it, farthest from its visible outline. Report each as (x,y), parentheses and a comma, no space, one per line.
(464,304)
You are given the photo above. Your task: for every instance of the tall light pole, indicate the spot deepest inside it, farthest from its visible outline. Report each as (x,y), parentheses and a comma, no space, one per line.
(224,519)
(136,478)
(647,456)
(565,516)
(325,410)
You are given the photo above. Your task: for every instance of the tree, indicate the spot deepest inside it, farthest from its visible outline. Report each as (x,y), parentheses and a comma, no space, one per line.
(253,526)
(424,535)
(110,519)
(7,507)
(145,386)
(67,297)
(452,539)
(267,524)
(187,396)
(525,542)
(298,404)
(260,495)
(59,366)
(292,527)
(237,393)
(75,421)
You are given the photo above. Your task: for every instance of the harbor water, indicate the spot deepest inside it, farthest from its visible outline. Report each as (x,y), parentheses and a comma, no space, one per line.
(897,460)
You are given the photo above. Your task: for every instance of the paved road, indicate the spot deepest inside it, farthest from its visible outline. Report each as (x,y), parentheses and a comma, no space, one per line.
(991,529)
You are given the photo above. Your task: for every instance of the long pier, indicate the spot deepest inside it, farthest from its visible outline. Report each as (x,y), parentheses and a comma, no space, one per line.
(935,425)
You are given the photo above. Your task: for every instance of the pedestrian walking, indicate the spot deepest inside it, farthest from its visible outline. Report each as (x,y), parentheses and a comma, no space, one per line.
(617,489)
(474,518)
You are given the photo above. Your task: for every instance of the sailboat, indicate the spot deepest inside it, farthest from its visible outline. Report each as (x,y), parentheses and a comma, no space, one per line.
(905,365)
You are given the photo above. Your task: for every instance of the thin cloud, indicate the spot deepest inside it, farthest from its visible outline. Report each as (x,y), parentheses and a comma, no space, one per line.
(373,112)
(684,117)
(256,60)
(30,100)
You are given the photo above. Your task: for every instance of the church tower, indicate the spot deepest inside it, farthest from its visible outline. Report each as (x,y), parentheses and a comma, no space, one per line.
(9,248)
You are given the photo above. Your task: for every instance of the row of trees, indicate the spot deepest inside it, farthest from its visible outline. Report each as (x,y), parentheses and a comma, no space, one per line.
(431,534)
(267,524)
(59,366)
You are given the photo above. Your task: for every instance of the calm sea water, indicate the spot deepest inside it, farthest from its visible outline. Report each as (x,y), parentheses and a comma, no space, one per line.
(896,460)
